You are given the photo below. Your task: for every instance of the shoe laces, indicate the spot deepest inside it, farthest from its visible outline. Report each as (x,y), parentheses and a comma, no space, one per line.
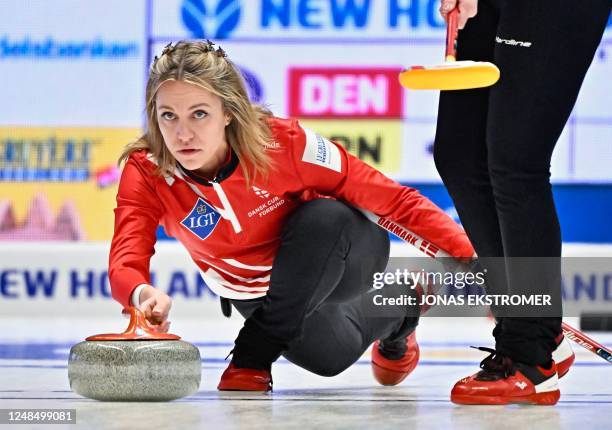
(495,366)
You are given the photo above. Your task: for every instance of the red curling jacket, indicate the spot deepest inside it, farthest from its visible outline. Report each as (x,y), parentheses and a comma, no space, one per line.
(233,232)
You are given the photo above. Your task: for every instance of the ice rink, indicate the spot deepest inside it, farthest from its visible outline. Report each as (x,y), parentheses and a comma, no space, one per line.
(84,79)
(33,369)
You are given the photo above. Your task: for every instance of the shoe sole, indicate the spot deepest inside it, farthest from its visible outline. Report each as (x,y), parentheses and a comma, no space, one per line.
(244,388)
(398,377)
(238,385)
(548,398)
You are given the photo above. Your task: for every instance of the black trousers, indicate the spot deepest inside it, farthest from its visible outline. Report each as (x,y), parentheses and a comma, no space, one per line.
(493,146)
(314,311)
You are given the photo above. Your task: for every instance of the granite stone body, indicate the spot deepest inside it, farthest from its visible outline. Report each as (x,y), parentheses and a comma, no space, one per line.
(135,370)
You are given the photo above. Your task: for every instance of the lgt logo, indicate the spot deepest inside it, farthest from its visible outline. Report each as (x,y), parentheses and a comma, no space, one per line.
(202,219)
(211,18)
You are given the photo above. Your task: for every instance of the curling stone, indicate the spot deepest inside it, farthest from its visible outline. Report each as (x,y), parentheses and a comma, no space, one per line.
(139,364)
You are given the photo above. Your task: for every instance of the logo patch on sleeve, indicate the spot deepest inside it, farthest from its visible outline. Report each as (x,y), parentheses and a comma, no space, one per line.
(321,152)
(202,219)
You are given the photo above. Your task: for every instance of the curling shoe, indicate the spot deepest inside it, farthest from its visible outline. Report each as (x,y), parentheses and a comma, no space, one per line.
(392,371)
(243,379)
(564,355)
(501,382)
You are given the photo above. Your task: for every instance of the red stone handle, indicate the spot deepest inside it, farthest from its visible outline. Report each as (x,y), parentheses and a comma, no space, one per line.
(452,31)
(138,329)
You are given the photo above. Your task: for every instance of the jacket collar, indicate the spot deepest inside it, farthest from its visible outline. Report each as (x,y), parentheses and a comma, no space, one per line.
(223,173)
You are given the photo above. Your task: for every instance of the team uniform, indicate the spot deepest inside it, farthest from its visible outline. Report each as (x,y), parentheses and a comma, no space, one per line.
(294,252)
(232,231)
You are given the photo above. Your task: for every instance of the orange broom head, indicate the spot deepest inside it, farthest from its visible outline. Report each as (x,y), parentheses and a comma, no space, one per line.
(451,75)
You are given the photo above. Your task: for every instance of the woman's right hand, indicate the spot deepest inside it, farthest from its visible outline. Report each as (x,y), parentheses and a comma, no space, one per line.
(155,305)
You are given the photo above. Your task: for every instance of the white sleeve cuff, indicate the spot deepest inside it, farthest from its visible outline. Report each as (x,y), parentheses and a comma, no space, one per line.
(135,299)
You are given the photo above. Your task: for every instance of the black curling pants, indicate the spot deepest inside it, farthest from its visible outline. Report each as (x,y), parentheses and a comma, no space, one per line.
(493,146)
(322,275)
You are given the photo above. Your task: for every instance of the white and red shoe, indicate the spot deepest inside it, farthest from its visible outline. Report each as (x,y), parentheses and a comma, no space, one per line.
(564,355)
(389,371)
(501,382)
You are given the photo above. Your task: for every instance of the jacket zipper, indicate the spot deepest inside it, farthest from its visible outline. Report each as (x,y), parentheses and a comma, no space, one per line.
(228,211)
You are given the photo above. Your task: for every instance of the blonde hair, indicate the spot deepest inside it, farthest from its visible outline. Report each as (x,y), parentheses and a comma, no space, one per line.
(199,63)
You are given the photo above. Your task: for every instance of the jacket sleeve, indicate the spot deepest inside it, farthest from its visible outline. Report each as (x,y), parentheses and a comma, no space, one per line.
(329,169)
(136,219)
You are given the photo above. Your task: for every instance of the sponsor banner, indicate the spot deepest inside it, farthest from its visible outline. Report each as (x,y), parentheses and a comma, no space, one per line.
(377,142)
(298,19)
(72,65)
(62,279)
(65,30)
(347,92)
(308,20)
(52,167)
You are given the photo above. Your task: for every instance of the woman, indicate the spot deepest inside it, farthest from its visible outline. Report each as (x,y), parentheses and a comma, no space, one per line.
(493,150)
(267,211)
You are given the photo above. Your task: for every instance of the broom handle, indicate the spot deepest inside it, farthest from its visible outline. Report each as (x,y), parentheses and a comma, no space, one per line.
(451,35)
(586,342)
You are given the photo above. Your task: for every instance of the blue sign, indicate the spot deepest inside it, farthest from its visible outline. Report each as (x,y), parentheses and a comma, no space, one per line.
(49,47)
(205,21)
(348,13)
(219,19)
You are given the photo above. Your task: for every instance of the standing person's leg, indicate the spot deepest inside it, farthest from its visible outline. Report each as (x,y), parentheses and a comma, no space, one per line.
(313,310)
(543,50)
(540,80)
(460,150)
